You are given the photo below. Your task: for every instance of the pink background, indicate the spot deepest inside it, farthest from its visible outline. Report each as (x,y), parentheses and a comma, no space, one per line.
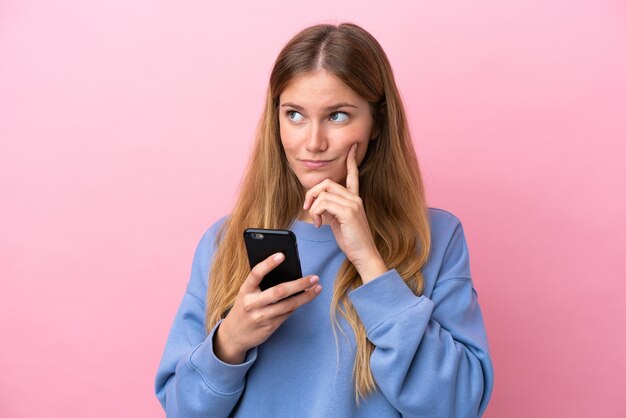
(125,127)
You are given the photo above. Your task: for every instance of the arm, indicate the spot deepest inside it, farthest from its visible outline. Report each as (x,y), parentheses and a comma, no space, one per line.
(191,381)
(431,356)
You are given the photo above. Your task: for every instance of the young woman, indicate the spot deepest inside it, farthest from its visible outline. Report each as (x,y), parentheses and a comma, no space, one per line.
(385,321)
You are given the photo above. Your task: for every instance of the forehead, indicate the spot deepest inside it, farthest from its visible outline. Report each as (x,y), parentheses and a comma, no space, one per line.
(320,88)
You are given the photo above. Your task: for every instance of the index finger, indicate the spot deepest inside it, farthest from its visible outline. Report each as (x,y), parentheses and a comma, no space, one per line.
(352,177)
(259,271)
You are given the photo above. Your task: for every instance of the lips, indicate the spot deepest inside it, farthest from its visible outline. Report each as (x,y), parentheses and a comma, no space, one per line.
(315,164)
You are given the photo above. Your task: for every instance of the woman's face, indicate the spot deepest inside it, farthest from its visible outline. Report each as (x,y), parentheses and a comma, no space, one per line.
(320,117)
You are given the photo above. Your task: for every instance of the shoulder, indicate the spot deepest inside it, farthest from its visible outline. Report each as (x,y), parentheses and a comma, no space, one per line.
(449,255)
(444,227)
(211,235)
(208,242)
(442,220)
(203,257)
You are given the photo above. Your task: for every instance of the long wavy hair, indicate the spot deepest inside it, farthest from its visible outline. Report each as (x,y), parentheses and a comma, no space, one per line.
(390,182)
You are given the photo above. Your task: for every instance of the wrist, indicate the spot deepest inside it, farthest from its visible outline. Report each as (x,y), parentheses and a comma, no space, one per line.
(225,349)
(372,267)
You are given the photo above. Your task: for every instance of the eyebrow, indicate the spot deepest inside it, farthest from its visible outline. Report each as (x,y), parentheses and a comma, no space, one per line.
(327,108)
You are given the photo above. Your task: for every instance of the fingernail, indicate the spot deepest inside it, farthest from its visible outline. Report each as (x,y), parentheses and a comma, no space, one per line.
(279,257)
(318,289)
(314,279)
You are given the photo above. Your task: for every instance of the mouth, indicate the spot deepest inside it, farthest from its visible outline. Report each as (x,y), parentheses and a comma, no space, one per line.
(315,163)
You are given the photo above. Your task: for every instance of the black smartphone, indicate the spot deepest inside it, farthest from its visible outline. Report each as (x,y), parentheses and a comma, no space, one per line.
(261,243)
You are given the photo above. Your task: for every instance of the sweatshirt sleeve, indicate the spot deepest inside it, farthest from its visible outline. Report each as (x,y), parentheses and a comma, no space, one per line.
(191,381)
(431,356)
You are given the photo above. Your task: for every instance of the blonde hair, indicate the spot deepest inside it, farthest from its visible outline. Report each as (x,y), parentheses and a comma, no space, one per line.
(391,186)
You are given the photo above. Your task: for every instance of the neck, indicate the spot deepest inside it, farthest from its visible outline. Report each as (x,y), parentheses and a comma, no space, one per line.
(306,217)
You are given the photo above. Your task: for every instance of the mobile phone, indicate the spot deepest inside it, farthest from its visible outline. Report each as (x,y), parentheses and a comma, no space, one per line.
(261,243)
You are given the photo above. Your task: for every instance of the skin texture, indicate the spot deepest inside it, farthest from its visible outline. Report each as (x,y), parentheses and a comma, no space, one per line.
(325,129)
(314,127)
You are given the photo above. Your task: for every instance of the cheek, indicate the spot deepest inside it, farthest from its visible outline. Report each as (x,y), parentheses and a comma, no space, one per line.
(290,151)
(289,138)
(361,137)
(286,143)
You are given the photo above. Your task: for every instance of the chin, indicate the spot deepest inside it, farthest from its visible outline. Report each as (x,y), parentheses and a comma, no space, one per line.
(311,181)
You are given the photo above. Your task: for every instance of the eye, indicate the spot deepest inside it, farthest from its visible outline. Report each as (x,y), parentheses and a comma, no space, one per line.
(294,116)
(339,116)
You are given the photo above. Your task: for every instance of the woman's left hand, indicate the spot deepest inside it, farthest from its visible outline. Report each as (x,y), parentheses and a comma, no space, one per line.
(342,208)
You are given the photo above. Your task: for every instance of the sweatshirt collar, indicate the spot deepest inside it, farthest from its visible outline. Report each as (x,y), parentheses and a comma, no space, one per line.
(309,232)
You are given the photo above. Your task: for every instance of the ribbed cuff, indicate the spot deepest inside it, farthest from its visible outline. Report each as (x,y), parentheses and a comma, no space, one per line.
(221,377)
(382,298)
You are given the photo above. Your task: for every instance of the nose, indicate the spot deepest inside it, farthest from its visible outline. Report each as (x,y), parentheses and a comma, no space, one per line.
(316,140)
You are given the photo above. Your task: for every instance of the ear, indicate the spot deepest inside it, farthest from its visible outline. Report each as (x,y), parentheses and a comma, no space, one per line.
(379,120)
(375,131)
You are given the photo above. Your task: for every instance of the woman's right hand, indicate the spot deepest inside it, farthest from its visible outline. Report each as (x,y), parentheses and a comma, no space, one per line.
(256,314)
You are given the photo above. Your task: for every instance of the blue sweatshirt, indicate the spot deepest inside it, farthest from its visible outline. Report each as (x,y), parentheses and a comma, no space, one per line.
(431,357)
